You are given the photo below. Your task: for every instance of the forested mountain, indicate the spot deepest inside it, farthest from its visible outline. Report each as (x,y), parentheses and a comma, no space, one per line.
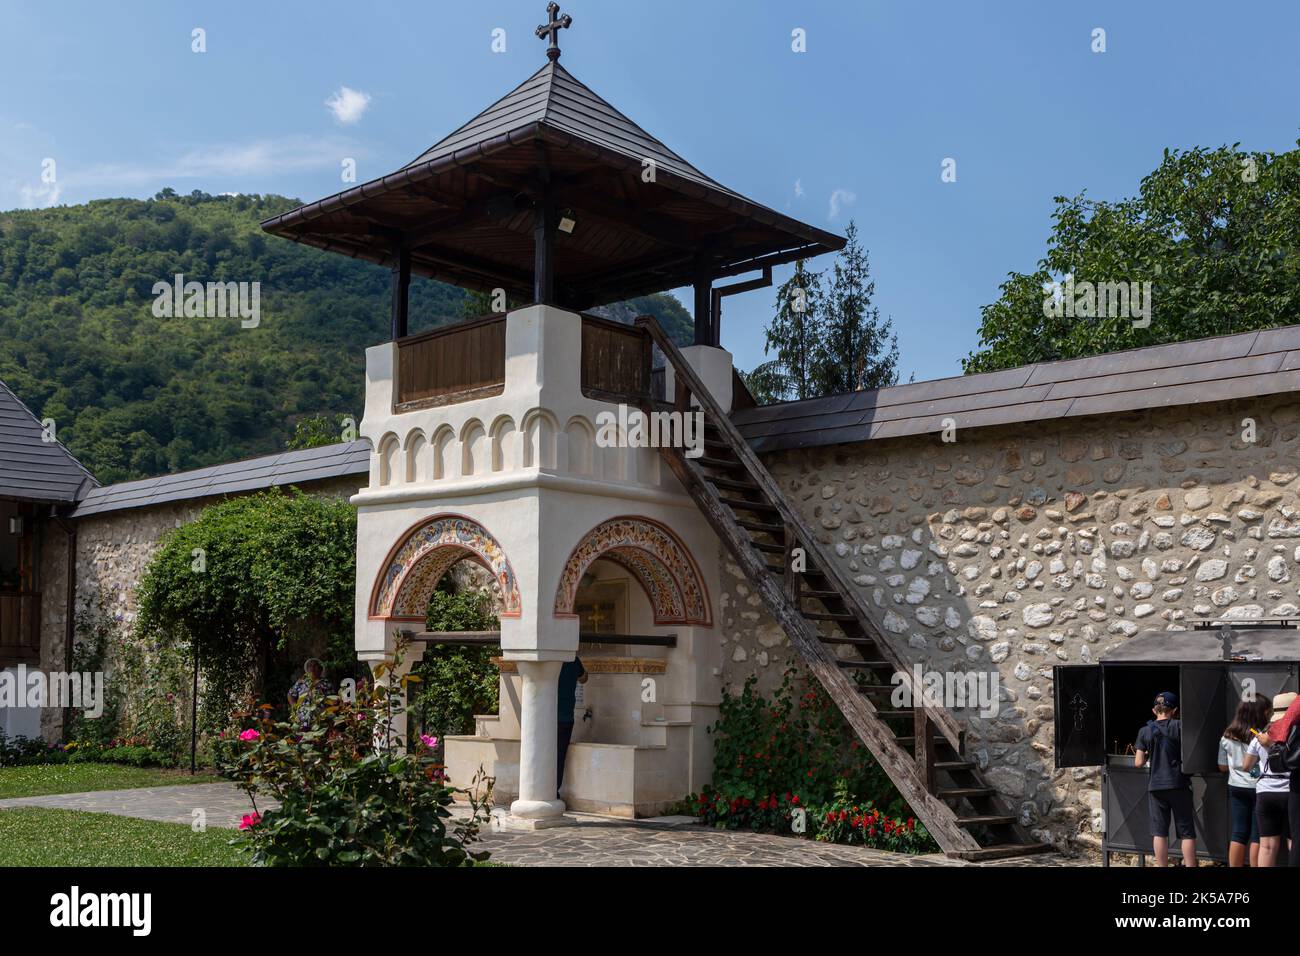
(133,394)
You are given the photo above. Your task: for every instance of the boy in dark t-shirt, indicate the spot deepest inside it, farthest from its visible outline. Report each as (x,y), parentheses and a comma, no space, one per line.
(1170,790)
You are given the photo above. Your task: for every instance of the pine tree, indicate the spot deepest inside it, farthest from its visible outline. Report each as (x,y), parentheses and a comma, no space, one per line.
(792,338)
(856,349)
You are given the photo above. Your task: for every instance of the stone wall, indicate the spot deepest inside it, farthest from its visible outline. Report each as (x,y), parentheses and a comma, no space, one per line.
(1014,549)
(113,550)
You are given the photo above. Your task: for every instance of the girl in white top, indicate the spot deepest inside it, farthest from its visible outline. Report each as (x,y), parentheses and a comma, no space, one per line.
(1243,835)
(1272,794)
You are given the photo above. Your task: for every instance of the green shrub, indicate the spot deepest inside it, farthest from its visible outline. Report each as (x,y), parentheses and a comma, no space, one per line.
(21,751)
(343,802)
(774,757)
(861,823)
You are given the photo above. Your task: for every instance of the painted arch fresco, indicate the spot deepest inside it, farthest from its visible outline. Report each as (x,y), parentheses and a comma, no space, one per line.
(425,553)
(654,555)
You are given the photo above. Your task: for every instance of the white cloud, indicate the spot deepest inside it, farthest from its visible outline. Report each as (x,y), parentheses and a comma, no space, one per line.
(222,160)
(348,105)
(38,197)
(798,188)
(839,199)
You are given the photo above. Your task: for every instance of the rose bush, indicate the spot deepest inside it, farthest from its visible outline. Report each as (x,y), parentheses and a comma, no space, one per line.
(774,758)
(348,794)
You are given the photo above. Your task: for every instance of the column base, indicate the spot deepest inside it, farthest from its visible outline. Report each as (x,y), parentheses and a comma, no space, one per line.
(536,814)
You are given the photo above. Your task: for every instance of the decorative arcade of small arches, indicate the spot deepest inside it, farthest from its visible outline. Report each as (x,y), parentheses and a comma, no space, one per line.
(655,556)
(425,553)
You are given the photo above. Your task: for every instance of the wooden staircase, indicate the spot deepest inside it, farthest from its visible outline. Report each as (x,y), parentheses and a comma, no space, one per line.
(922,749)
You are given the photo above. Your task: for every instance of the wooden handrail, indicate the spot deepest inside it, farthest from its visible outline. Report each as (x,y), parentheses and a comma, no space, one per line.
(685,375)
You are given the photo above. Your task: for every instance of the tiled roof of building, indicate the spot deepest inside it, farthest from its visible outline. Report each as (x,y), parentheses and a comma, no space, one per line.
(1245,365)
(251,474)
(31,467)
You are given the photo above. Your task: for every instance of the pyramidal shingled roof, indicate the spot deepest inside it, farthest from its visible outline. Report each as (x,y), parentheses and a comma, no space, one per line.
(554,98)
(465,208)
(32,468)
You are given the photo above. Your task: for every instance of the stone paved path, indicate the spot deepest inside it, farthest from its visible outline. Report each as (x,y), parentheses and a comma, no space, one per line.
(588,841)
(223,803)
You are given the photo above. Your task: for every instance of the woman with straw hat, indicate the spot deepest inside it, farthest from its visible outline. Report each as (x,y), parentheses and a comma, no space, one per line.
(1273,792)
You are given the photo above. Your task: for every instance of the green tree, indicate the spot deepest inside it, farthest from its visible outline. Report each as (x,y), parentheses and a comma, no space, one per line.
(856,349)
(316,431)
(457,682)
(793,337)
(244,577)
(1215,231)
(134,394)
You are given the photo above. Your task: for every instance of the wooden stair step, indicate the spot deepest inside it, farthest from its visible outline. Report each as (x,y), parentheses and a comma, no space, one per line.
(821,595)
(957,793)
(895,714)
(731,464)
(858,665)
(954,765)
(986,820)
(828,616)
(762,527)
(1001,851)
(741,504)
(859,641)
(733,483)
(769,549)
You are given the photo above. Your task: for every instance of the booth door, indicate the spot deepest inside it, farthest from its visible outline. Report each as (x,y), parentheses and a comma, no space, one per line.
(1264,681)
(1080,730)
(1203,707)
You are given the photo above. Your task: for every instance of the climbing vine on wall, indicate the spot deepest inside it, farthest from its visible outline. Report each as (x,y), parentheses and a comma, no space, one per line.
(241,581)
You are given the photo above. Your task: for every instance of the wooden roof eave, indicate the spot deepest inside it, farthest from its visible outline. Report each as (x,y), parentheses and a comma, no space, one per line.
(723,199)
(283,224)
(286,224)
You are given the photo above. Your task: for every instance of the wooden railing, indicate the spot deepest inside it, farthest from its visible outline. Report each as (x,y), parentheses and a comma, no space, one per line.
(456,363)
(20,626)
(617,361)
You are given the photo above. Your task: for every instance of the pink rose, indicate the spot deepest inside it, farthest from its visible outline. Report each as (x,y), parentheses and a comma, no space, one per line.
(249,734)
(428,741)
(250,820)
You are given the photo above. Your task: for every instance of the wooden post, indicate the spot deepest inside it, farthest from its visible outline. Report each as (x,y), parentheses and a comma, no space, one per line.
(544,250)
(703,309)
(647,366)
(194,713)
(923,748)
(401,288)
(791,580)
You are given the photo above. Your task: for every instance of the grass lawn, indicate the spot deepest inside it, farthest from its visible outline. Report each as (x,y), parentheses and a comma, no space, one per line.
(36,836)
(41,779)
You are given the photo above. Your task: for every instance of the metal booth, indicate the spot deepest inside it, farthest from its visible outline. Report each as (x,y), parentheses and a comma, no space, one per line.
(1099,709)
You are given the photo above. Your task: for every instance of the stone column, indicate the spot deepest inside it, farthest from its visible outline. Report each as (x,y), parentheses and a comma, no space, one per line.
(538,804)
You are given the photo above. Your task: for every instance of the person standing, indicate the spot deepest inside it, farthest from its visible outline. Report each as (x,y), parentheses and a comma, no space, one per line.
(307,692)
(1169,790)
(1288,727)
(571,675)
(1273,792)
(1243,839)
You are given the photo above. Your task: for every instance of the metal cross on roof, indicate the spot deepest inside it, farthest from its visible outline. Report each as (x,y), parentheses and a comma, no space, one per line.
(553,27)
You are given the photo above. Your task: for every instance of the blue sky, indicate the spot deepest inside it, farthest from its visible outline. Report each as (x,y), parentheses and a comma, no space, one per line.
(885,92)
